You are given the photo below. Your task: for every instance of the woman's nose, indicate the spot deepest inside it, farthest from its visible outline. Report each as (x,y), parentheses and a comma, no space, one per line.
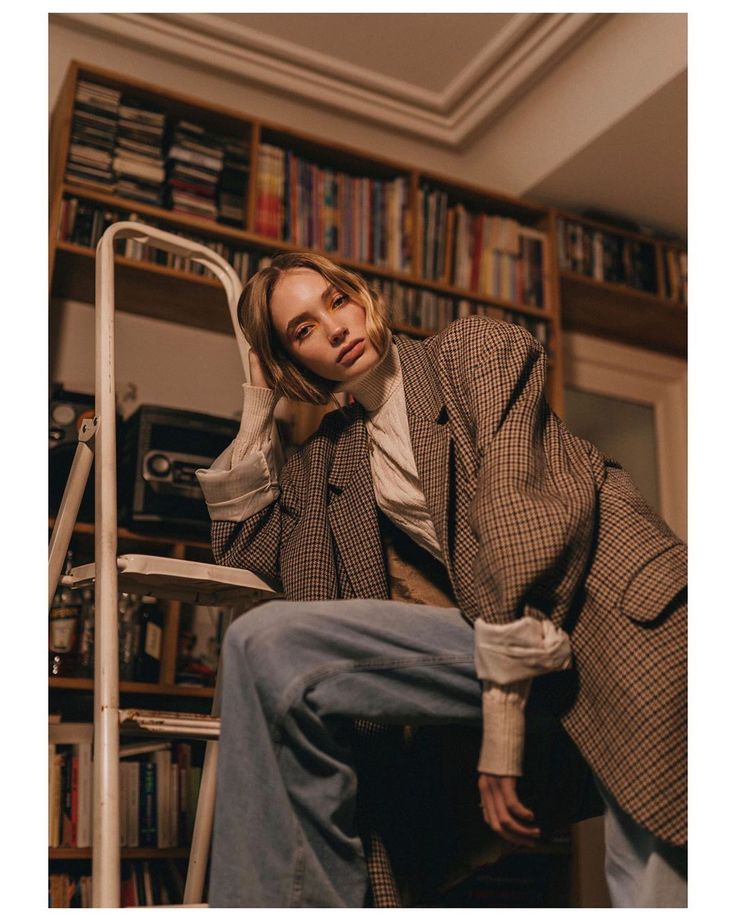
(336,331)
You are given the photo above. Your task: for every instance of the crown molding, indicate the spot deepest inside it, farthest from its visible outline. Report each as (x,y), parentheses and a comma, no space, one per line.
(512,61)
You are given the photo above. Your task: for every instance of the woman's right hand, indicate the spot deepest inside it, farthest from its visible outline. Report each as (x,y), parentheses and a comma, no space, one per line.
(256,371)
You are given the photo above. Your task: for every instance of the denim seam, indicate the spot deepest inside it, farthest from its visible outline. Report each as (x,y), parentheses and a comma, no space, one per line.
(378,664)
(297,886)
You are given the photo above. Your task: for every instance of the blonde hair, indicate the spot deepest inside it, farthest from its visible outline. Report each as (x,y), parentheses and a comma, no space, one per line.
(280,369)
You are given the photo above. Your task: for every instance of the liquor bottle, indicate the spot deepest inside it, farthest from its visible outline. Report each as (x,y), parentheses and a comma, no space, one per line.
(148,662)
(63,627)
(128,634)
(86,643)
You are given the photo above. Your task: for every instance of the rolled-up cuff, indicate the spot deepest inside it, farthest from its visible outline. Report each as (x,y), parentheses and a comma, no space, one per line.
(502,748)
(515,651)
(233,494)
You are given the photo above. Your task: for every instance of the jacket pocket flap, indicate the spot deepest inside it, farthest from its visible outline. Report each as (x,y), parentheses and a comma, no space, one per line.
(655,584)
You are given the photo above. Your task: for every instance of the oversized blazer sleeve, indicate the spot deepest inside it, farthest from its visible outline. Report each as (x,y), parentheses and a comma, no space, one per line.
(257,542)
(534,509)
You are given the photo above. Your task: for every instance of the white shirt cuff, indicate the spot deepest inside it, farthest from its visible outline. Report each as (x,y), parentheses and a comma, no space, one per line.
(233,494)
(522,649)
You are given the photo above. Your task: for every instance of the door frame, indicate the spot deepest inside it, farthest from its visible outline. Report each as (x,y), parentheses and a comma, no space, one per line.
(649,378)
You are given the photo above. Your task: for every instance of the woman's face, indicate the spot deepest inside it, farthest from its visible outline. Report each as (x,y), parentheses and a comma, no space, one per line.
(320,327)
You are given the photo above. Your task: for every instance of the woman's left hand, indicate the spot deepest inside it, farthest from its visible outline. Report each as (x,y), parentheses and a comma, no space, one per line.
(504,812)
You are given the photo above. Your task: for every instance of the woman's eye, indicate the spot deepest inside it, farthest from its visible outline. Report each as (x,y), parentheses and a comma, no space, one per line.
(303,329)
(340,300)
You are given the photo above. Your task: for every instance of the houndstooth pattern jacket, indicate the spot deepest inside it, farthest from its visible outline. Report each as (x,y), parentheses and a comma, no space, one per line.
(531,520)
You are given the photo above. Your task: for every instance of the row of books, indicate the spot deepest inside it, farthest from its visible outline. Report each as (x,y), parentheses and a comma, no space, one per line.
(83,223)
(606,256)
(159,785)
(143,883)
(432,311)
(361,218)
(492,255)
(675,275)
(125,146)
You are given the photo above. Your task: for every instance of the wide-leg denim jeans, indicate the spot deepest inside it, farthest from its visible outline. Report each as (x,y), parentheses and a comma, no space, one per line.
(284,832)
(293,674)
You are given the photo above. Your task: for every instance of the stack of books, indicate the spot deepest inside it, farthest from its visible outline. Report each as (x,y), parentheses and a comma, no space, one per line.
(139,163)
(94,127)
(194,164)
(233,188)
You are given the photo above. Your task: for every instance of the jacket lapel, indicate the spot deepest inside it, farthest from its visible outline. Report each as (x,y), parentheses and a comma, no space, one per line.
(430,436)
(352,511)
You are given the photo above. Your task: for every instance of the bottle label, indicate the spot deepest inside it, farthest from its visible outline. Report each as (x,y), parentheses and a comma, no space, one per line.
(154,635)
(62,629)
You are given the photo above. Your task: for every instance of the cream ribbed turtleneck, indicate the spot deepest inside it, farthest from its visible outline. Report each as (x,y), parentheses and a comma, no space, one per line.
(396,482)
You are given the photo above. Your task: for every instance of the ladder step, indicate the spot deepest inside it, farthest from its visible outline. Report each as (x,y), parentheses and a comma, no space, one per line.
(174,724)
(180,579)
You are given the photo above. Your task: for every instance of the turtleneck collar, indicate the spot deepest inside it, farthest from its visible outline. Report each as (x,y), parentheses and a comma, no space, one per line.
(373,388)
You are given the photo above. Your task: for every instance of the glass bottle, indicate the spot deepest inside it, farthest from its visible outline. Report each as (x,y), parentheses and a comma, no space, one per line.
(86,643)
(149,656)
(63,628)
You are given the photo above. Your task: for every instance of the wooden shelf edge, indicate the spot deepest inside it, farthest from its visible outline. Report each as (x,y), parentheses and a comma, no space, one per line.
(624,290)
(133,687)
(61,853)
(87,527)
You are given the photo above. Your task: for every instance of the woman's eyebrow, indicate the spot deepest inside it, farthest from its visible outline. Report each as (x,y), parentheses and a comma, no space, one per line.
(305,313)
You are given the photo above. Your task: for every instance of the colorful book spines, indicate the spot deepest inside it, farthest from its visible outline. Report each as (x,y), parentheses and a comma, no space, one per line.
(362,218)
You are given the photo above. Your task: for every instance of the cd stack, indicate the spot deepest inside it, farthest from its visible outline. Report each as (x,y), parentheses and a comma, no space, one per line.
(139,162)
(234,184)
(94,123)
(195,162)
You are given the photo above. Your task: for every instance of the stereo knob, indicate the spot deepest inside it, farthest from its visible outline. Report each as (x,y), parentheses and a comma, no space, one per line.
(159,465)
(63,414)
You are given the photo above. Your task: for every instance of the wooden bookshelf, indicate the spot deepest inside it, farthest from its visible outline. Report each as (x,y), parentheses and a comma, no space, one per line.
(172,295)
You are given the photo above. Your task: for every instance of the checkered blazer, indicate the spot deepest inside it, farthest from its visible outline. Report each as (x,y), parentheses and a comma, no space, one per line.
(531,520)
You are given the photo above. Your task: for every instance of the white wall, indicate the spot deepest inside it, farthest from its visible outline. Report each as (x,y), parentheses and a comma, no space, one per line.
(167,364)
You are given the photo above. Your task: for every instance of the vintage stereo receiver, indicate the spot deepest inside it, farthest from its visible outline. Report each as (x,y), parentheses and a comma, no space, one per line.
(160,449)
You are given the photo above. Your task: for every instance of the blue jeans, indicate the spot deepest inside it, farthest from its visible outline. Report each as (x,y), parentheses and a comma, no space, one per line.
(641,870)
(284,832)
(293,673)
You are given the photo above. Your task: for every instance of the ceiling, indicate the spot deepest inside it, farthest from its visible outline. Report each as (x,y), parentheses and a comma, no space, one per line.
(446,79)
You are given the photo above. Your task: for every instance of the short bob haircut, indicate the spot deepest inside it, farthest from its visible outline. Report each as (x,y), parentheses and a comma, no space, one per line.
(281,371)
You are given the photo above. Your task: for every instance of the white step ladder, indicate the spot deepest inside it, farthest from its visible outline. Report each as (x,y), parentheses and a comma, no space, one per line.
(193,582)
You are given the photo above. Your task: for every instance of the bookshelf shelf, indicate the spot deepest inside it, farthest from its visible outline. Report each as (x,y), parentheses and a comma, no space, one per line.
(132,686)
(615,311)
(59,853)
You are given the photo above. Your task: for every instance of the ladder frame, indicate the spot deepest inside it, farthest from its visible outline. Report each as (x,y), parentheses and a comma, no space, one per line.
(97,440)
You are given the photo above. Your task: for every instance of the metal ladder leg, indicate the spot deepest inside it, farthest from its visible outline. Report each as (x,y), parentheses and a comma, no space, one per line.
(205,816)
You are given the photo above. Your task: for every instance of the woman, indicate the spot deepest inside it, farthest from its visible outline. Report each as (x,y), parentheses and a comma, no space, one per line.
(551,556)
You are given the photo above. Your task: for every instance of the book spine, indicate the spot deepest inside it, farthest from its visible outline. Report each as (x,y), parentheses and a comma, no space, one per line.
(147,820)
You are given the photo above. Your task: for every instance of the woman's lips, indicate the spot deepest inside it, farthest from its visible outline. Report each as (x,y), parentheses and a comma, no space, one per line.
(352,354)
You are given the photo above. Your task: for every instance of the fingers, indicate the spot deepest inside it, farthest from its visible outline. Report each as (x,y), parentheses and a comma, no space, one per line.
(508,786)
(504,812)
